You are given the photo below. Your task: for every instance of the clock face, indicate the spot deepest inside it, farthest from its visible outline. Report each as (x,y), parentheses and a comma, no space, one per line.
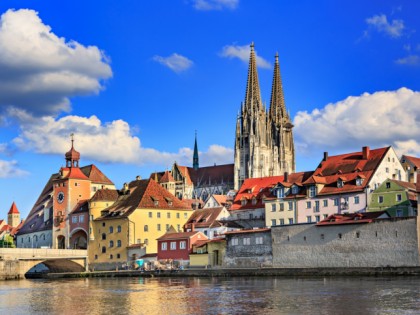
(60,197)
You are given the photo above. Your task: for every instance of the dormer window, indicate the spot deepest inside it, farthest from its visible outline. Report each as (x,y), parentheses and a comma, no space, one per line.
(340,183)
(312,191)
(254,201)
(359,181)
(280,192)
(243,202)
(295,189)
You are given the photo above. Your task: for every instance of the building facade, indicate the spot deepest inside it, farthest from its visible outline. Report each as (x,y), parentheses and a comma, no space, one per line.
(264,144)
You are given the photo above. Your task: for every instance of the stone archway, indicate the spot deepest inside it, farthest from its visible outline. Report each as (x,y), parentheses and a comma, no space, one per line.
(78,240)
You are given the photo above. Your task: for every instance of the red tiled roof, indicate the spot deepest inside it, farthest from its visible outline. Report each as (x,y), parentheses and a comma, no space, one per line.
(194,203)
(166,178)
(81,206)
(73,173)
(105,195)
(221,199)
(407,185)
(247,231)
(95,175)
(353,218)
(204,218)
(13,209)
(414,160)
(143,194)
(180,235)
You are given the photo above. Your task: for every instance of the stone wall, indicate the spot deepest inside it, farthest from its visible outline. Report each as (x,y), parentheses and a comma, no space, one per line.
(252,255)
(385,242)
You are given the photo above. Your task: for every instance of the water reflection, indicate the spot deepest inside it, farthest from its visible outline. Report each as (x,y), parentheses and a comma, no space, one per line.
(212,296)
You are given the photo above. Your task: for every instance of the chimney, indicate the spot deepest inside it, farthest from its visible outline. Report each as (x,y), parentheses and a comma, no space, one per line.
(366,152)
(325,156)
(138,177)
(286,177)
(192,227)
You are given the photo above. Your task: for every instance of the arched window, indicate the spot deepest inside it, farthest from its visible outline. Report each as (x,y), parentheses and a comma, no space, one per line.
(119,228)
(119,243)
(103,236)
(35,238)
(111,229)
(103,249)
(146,228)
(111,243)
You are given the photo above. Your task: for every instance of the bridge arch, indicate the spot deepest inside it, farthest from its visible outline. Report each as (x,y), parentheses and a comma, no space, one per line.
(53,265)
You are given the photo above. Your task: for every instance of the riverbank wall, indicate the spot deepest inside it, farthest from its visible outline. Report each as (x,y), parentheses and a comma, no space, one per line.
(243,272)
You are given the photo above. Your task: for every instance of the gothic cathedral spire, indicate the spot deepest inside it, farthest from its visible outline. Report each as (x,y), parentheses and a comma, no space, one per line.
(195,156)
(263,141)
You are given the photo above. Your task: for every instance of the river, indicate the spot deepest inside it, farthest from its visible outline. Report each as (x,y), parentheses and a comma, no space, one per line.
(396,295)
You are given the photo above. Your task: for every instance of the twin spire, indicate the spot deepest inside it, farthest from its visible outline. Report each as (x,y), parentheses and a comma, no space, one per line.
(253,102)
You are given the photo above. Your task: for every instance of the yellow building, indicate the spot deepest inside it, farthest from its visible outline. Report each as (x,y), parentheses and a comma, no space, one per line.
(142,212)
(208,253)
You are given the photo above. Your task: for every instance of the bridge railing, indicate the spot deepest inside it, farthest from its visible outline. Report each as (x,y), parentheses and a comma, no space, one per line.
(28,253)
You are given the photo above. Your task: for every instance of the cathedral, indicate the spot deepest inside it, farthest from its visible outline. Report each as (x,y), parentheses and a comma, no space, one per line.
(263,139)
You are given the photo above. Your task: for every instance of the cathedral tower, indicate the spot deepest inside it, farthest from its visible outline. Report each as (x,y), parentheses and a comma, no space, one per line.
(263,140)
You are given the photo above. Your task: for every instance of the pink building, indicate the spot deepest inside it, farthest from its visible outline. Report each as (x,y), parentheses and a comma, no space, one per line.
(79,225)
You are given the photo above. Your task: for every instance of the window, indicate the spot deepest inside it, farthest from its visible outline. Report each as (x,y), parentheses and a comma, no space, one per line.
(282,207)
(290,205)
(103,249)
(164,246)
(81,218)
(387,169)
(254,201)
(309,219)
(399,213)
(322,236)
(167,227)
(158,227)
(308,205)
(103,236)
(280,192)
(340,235)
(295,190)
(243,202)
(317,218)
(388,185)
(312,191)
(359,181)
(340,183)
(326,203)
(168,215)
(316,209)
(281,221)
(111,243)
(325,216)
(119,243)
(177,215)
(259,240)
(111,229)
(381,199)
(76,184)
(158,214)
(273,207)
(74,219)
(146,241)
(182,245)
(399,197)
(178,227)
(356,200)
(358,234)
(119,228)
(173,245)
(146,228)
(96,256)
(150,215)
(290,221)
(185,215)
(103,223)
(246,241)
(336,202)
(234,242)
(118,256)
(273,222)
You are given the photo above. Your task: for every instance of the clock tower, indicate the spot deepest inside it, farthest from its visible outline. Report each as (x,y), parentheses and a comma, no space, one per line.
(69,187)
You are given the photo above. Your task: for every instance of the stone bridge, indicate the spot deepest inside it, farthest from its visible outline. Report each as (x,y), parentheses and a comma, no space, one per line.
(16,262)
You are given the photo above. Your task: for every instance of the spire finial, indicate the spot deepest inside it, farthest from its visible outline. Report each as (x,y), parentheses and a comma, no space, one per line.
(252,45)
(72,139)
(277,57)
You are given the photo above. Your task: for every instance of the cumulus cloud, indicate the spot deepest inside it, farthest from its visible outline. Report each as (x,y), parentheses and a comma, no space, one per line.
(175,62)
(11,169)
(207,5)
(40,71)
(242,53)
(379,119)
(411,60)
(380,23)
(109,142)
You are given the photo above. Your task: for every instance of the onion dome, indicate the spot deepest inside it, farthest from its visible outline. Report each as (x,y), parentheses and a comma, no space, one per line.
(72,156)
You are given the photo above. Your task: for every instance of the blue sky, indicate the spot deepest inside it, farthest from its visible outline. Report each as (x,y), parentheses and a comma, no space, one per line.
(134,79)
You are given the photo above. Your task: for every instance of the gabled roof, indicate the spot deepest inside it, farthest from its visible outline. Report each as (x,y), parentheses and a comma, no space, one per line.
(95,175)
(80,207)
(140,194)
(204,218)
(406,185)
(193,203)
(13,209)
(412,159)
(209,175)
(166,178)
(181,235)
(105,195)
(221,199)
(354,218)
(72,172)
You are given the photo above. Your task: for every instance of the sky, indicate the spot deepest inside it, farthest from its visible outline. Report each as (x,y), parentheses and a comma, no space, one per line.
(134,80)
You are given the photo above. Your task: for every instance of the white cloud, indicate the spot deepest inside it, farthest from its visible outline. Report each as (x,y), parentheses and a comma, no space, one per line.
(207,5)
(39,71)
(111,142)
(216,154)
(411,60)
(380,23)
(10,169)
(175,62)
(242,53)
(379,119)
